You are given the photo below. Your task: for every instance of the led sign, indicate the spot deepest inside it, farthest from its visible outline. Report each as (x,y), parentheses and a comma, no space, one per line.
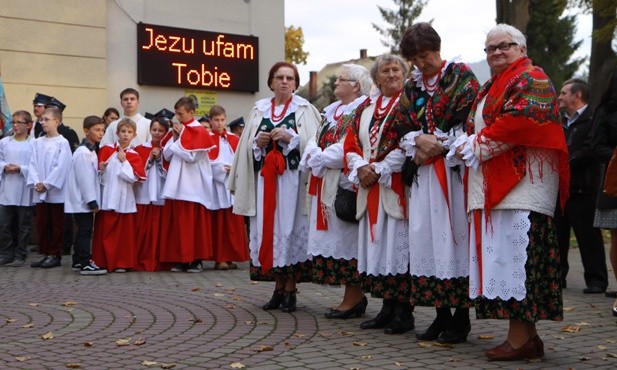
(169,56)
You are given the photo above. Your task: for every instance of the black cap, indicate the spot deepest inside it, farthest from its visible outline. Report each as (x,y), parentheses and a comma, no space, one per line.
(238,122)
(165,113)
(149,116)
(204,118)
(55,103)
(41,99)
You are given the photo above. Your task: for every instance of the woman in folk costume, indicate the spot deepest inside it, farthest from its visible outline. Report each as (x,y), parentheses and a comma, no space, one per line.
(518,163)
(185,237)
(374,162)
(436,101)
(229,239)
(333,242)
(114,240)
(149,196)
(269,188)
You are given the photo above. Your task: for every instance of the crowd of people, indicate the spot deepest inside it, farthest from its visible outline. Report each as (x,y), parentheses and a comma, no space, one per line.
(419,187)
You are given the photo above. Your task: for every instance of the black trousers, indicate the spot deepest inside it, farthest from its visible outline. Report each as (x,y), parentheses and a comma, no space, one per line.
(83,238)
(578,216)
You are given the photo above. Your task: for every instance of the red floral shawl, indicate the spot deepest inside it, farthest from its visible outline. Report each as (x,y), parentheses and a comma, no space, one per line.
(521,110)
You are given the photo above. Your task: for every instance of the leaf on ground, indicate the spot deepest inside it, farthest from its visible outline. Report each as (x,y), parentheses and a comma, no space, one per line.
(10,320)
(454,359)
(584,358)
(28,326)
(360,344)
(123,342)
(484,336)
(325,334)
(218,285)
(425,344)
(299,335)
(249,322)
(611,341)
(73,366)
(219,295)
(366,357)
(139,342)
(568,309)
(88,344)
(560,337)
(602,348)
(254,282)
(345,333)
(287,344)
(582,323)
(236,298)
(570,329)
(443,345)
(195,289)
(398,364)
(47,336)
(230,289)
(237,365)
(614,355)
(69,303)
(33,304)
(264,348)
(168,366)
(22,358)
(149,363)
(534,360)
(230,306)
(195,320)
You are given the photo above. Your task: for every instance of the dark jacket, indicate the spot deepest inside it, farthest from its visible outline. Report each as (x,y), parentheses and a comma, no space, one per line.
(70,135)
(585,170)
(604,141)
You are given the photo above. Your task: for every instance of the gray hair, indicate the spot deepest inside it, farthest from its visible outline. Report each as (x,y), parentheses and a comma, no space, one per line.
(506,29)
(387,59)
(361,76)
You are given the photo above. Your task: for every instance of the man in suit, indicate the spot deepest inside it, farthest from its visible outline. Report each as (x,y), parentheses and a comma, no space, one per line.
(584,184)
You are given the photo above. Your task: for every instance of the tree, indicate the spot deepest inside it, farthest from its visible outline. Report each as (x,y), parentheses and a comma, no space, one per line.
(550,39)
(294,42)
(399,20)
(513,13)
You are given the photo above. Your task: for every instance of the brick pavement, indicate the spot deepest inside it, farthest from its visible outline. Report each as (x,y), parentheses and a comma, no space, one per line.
(214,319)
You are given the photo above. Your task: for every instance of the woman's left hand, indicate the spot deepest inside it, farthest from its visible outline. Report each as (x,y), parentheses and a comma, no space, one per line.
(281,134)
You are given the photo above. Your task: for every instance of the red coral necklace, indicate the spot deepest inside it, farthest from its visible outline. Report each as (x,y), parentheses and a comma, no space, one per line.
(380,112)
(278,118)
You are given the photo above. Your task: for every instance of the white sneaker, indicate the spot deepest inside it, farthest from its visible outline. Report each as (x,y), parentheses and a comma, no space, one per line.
(92,269)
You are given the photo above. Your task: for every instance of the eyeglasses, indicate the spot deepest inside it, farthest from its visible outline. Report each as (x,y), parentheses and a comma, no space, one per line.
(345,79)
(504,46)
(20,122)
(282,78)
(47,119)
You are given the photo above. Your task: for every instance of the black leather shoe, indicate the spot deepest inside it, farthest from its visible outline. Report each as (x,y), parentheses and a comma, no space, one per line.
(357,310)
(593,289)
(39,262)
(383,318)
(403,320)
(51,261)
(433,331)
(289,301)
(275,301)
(454,336)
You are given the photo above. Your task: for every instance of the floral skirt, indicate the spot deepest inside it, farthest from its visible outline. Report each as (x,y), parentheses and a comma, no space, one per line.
(332,271)
(543,300)
(301,272)
(387,286)
(432,291)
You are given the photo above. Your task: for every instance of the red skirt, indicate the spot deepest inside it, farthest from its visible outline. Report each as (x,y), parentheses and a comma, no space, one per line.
(148,237)
(185,232)
(113,241)
(230,242)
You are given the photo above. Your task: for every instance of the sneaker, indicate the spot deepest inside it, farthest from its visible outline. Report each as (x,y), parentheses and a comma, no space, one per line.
(76,267)
(179,267)
(92,269)
(39,262)
(51,261)
(195,267)
(17,263)
(120,270)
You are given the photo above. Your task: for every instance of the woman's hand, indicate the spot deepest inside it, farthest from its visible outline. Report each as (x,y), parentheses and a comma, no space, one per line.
(281,134)
(367,176)
(430,145)
(262,140)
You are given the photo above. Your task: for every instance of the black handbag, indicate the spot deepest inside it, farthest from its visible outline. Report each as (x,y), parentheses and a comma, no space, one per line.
(345,205)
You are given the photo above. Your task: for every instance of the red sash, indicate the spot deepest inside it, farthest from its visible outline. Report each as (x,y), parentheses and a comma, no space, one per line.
(232,139)
(314,189)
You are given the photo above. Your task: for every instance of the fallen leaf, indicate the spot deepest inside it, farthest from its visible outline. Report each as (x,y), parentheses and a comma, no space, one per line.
(10,320)
(123,342)
(73,366)
(230,306)
(287,344)
(195,320)
(265,349)
(28,326)
(69,303)
(532,360)
(195,289)
(325,334)
(218,285)
(584,358)
(560,337)
(236,298)
(168,366)
(425,344)
(33,304)
(443,345)
(366,357)
(230,289)
(398,364)
(22,358)
(570,329)
(568,309)
(88,344)
(611,341)
(47,336)
(254,282)
(486,336)
(582,323)
(614,355)
(454,359)
(219,295)
(249,322)
(139,342)
(360,344)
(602,348)
(345,333)
(237,365)
(299,335)
(149,363)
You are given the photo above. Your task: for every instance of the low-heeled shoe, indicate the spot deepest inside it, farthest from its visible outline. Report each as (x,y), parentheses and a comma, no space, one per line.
(451,336)
(505,352)
(357,310)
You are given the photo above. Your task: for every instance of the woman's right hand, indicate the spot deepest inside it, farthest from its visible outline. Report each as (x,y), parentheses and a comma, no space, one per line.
(367,176)
(263,138)
(430,145)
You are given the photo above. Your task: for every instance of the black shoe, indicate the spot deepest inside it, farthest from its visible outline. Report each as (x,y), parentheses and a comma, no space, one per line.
(403,320)
(39,262)
(383,318)
(357,310)
(51,261)
(289,301)
(433,331)
(593,289)
(614,311)
(275,301)
(454,336)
